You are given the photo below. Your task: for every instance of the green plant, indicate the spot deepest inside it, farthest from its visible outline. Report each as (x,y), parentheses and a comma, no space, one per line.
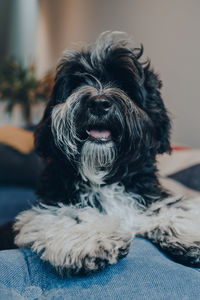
(19,85)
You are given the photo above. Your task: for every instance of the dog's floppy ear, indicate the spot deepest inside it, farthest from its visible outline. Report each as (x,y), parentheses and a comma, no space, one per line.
(64,84)
(156,110)
(43,135)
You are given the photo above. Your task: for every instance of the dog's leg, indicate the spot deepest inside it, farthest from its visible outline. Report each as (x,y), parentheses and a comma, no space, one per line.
(73,239)
(174,225)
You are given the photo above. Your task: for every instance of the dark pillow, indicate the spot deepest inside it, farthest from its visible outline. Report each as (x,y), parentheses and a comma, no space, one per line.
(17,168)
(189,177)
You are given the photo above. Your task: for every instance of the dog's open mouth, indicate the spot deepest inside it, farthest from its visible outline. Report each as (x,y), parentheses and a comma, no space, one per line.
(102,135)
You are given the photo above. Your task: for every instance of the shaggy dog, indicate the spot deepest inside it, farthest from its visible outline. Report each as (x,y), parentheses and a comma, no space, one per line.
(101,131)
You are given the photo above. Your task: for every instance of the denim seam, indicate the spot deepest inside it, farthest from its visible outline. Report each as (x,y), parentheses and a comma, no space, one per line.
(28,267)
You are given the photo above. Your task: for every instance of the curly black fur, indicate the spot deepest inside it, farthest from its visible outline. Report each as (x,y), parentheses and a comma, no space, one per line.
(142,135)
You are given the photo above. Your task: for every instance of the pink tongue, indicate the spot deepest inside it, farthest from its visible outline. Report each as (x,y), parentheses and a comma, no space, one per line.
(100,134)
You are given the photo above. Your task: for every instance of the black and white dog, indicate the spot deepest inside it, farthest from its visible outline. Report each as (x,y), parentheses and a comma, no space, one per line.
(101,131)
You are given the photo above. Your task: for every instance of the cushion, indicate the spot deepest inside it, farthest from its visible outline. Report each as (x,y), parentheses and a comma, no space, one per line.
(180,171)
(145,273)
(19,169)
(13,200)
(17,138)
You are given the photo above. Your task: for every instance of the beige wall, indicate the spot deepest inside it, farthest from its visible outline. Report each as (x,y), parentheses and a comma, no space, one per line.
(169,30)
(60,24)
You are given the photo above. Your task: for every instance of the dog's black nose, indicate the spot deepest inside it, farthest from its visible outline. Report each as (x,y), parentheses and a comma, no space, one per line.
(99,106)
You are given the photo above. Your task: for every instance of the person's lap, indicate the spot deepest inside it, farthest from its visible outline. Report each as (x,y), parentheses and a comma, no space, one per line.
(145,273)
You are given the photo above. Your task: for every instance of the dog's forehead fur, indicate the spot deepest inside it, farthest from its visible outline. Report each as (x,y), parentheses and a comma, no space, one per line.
(111,60)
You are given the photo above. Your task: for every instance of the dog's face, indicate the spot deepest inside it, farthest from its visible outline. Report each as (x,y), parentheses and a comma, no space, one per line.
(106,115)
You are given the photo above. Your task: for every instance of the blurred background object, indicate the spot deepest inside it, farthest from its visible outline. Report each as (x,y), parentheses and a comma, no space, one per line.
(37,31)
(19,86)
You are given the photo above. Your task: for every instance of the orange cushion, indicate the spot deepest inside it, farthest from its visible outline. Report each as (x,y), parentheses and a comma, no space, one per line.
(18,138)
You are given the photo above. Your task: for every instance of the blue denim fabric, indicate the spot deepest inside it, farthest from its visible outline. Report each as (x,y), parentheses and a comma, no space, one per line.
(145,273)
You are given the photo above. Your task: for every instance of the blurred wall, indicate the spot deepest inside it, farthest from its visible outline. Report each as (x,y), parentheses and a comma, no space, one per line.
(5,19)
(23,27)
(18,27)
(59,25)
(169,31)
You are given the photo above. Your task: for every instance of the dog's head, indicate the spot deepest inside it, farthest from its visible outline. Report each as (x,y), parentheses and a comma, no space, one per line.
(106,114)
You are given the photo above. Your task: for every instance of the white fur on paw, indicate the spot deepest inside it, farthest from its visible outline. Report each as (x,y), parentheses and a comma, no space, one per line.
(101,250)
(73,239)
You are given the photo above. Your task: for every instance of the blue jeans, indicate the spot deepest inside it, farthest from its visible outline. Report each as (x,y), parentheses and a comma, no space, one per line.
(145,273)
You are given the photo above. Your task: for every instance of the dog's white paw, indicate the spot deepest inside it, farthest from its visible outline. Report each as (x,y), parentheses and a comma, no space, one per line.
(104,251)
(73,240)
(88,247)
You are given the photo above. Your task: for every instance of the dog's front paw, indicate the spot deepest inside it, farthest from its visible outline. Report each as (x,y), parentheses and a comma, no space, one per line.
(104,251)
(87,247)
(74,240)
(186,255)
(87,251)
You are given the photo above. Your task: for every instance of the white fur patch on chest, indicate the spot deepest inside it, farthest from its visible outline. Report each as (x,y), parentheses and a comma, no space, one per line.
(113,200)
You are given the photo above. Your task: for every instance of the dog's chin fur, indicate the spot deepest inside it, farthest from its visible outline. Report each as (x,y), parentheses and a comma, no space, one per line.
(101,131)
(96,161)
